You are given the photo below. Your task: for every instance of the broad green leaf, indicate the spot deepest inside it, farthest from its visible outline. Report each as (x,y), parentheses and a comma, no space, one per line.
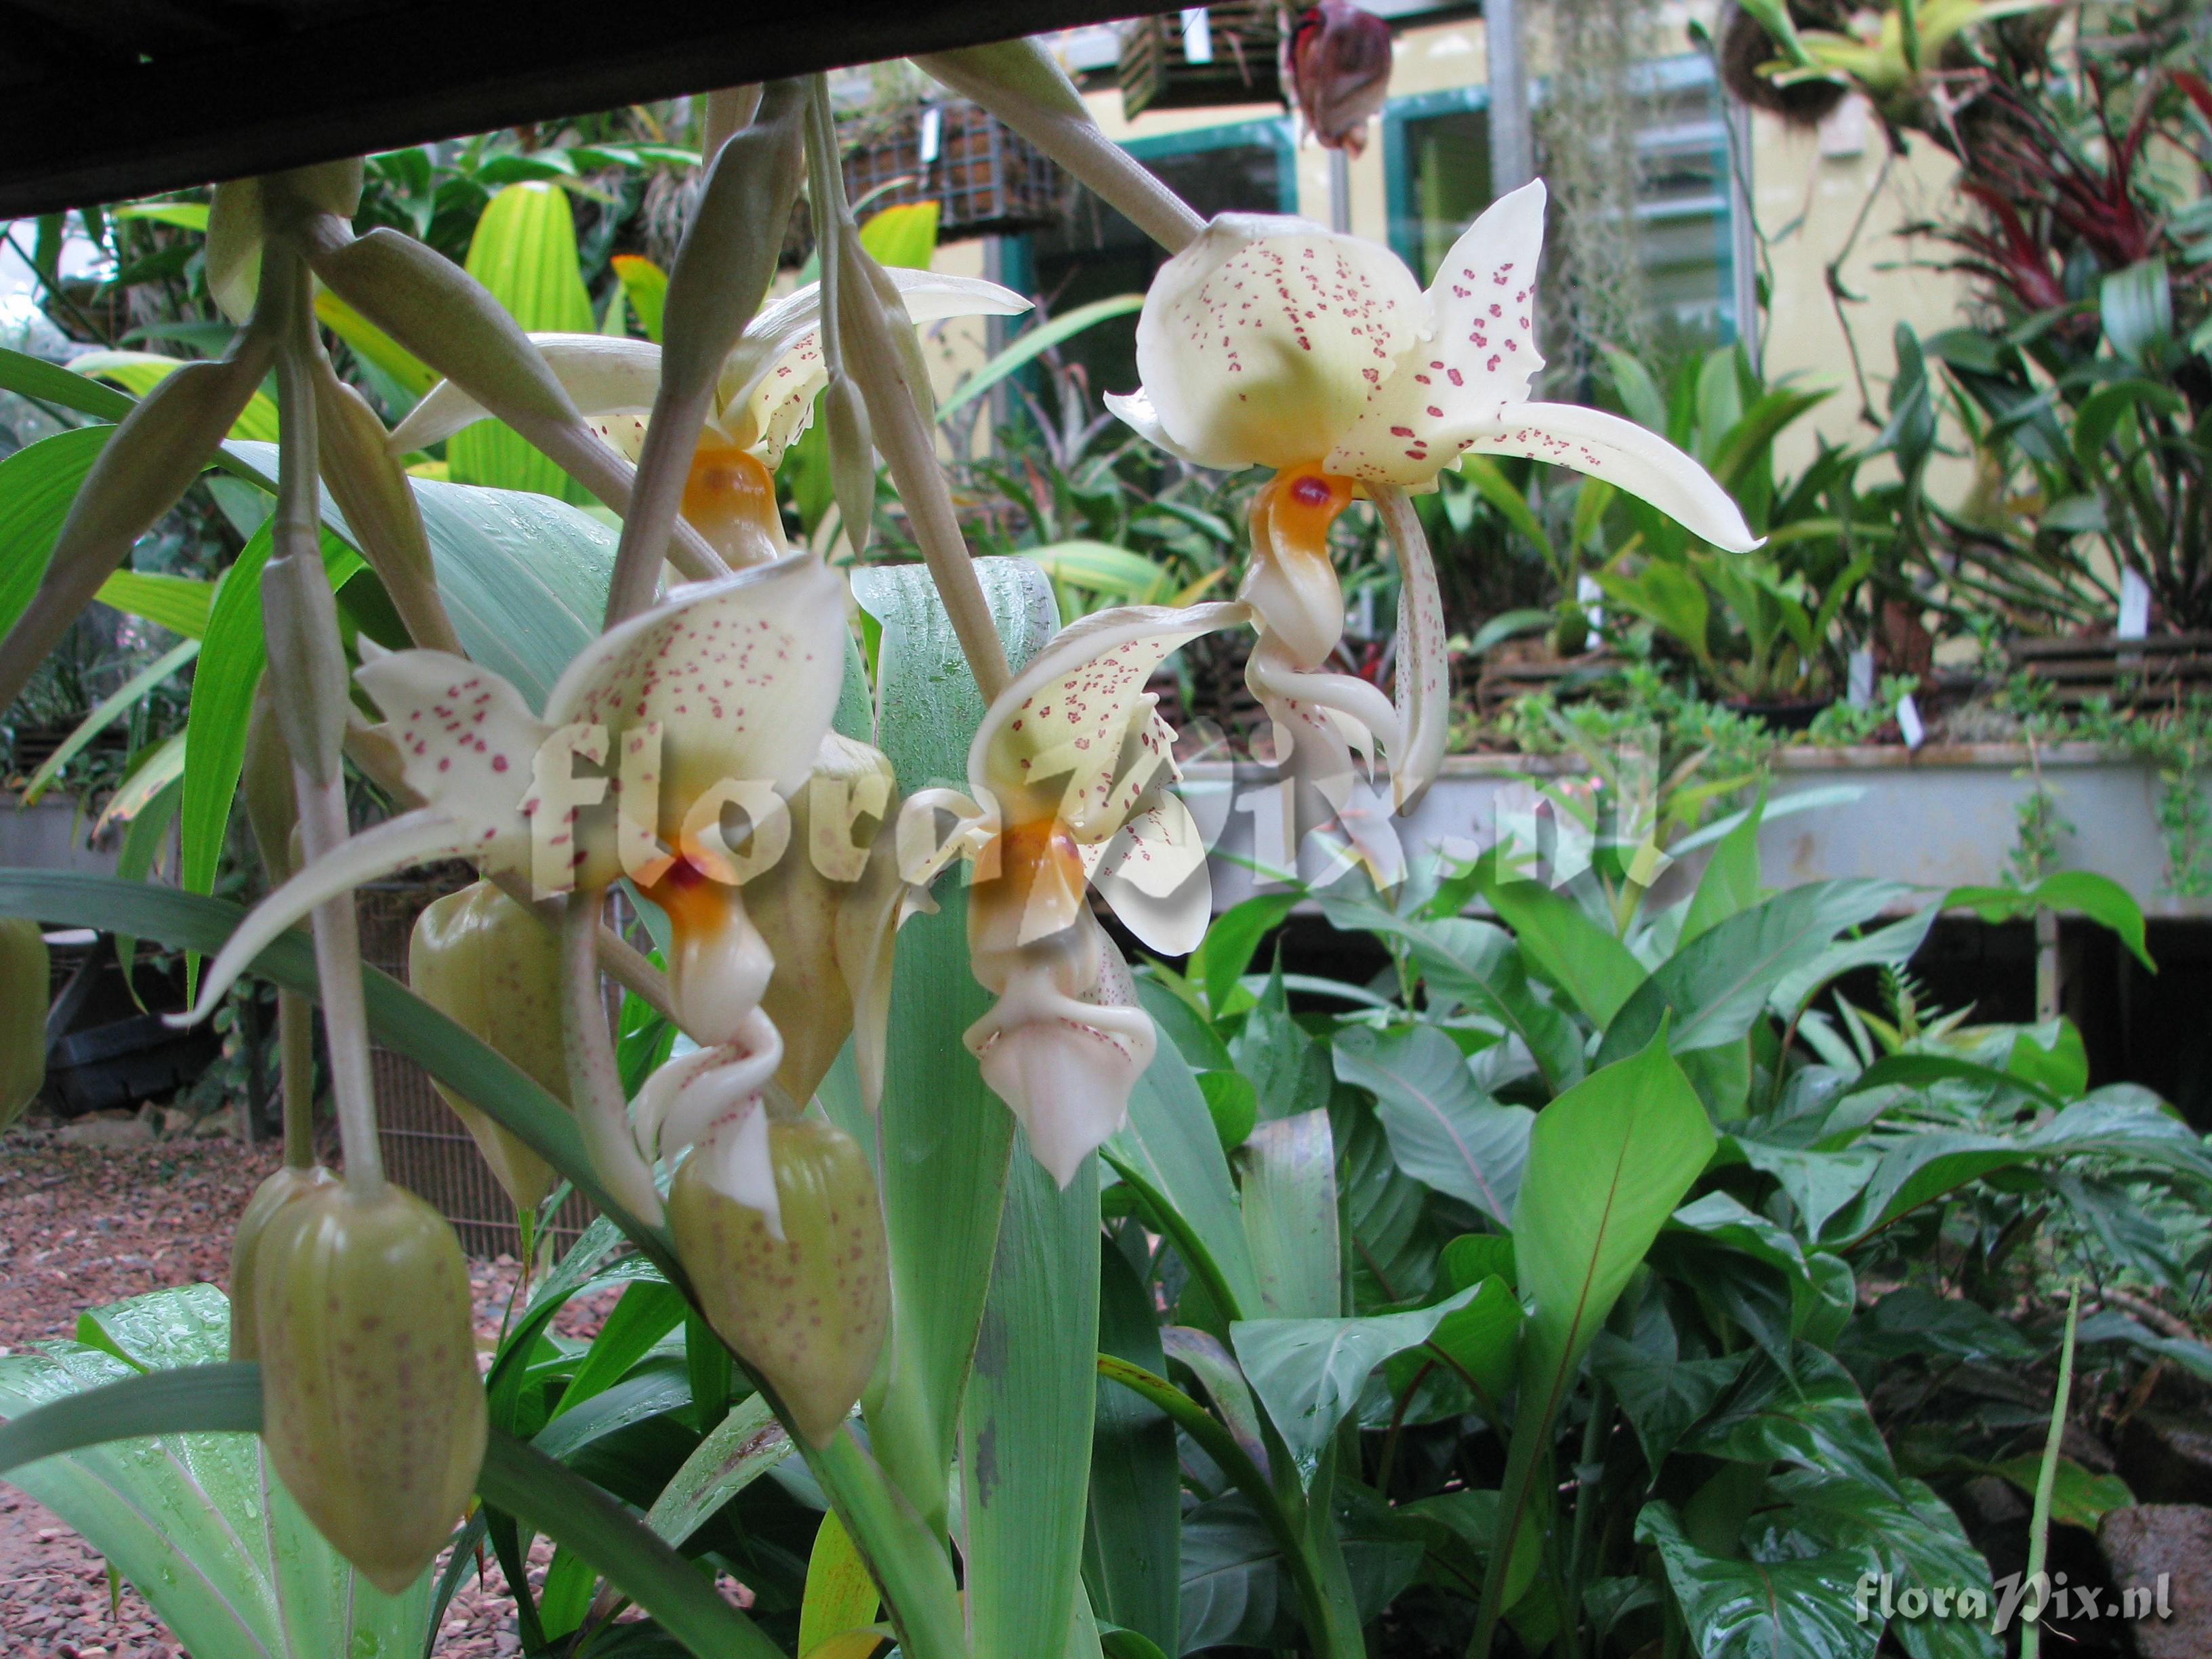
(840,1595)
(139,372)
(1392,1245)
(1309,1372)
(1289,1069)
(1444,1130)
(944,1136)
(2136,306)
(647,286)
(1028,1415)
(1592,966)
(1921,1544)
(1169,1151)
(180,604)
(525,252)
(1714,985)
(49,383)
(903,236)
(37,484)
(1789,1607)
(1234,1592)
(1103,568)
(1729,883)
(1224,1384)
(196,1520)
(185,216)
(1034,344)
(746,1446)
(109,709)
(1133,1540)
(1476,1343)
(1813,1415)
(1231,941)
(1890,945)
(2078,1497)
(1290,1216)
(2081,893)
(1662,1398)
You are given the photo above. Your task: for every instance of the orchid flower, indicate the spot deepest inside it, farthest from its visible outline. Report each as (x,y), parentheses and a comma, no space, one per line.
(1273,342)
(1072,766)
(720,695)
(764,400)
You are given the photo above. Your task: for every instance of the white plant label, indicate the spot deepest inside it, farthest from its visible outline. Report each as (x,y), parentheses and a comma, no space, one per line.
(1909,722)
(933,133)
(1589,593)
(2135,607)
(1197,36)
(1859,692)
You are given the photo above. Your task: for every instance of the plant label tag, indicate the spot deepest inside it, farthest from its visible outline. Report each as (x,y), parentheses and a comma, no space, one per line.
(1197,36)
(1908,721)
(933,133)
(1588,594)
(2135,607)
(1859,692)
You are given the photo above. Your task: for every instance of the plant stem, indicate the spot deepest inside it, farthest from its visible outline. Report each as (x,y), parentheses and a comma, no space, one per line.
(2046,1480)
(308,664)
(295,1051)
(594,1081)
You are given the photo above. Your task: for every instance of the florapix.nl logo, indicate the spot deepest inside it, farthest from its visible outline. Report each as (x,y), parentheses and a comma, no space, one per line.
(1878,1596)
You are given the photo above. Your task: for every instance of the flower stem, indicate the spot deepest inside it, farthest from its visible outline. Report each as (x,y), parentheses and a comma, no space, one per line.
(594,1082)
(908,442)
(308,664)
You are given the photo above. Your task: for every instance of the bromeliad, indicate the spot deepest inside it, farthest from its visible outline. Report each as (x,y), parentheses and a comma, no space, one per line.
(1273,342)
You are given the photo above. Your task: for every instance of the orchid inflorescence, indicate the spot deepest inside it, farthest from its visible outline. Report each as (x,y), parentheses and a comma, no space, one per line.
(1264,341)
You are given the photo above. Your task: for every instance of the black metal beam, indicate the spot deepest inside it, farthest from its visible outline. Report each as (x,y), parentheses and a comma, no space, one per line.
(302,81)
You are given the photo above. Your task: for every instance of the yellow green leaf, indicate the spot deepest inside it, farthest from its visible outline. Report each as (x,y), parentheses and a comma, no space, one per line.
(139,372)
(840,1594)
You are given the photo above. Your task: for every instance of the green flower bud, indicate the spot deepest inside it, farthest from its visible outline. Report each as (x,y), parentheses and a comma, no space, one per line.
(372,1410)
(22,1015)
(270,1196)
(806,1311)
(492,968)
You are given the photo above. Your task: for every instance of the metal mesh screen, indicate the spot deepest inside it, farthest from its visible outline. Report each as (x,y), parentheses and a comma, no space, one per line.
(425,1148)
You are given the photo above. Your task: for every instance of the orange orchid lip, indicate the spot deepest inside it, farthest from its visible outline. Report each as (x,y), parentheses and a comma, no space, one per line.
(729,497)
(1301,502)
(697,904)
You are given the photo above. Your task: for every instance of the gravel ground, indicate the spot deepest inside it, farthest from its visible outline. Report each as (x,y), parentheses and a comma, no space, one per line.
(81,1226)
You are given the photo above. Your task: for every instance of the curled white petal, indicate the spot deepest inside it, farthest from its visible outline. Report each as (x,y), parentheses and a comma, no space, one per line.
(602,375)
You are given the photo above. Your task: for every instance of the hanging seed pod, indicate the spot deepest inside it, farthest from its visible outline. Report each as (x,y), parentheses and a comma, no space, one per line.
(372,1410)
(806,1311)
(488,964)
(23,974)
(270,1196)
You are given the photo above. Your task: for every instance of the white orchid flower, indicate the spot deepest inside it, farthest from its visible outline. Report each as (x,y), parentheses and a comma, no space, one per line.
(720,695)
(1273,342)
(1071,765)
(764,400)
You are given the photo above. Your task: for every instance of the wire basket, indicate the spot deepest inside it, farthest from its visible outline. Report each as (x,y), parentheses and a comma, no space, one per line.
(985,178)
(1238,61)
(425,1148)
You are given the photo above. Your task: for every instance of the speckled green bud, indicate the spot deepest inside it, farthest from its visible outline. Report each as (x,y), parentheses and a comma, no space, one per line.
(492,968)
(372,1409)
(23,974)
(270,1196)
(807,1311)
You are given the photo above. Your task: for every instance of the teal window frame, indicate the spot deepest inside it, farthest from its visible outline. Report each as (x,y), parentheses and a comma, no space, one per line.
(1668,75)
(1270,132)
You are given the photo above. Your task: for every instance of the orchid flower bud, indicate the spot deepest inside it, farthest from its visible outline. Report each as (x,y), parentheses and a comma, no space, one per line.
(806,1302)
(380,507)
(372,1411)
(270,1196)
(1341,69)
(23,977)
(493,968)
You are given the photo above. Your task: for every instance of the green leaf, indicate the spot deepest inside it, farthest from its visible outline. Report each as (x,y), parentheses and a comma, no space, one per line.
(139,372)
(2078,1498)
(185,216)
(1589,964)
(1479,1341)
(1029,1411)
(49,383)
(408,372)
(1662,1398)
(1788,1606)
(744,1446)
(646,284)
(1234,1592)
(37,484)
(1231,941)
(1714,985)
(646,1312)
(1034,344)
(2137,304)
(1233,1104)
(943,1137)
(1444,1130)
(1921,1544)
(1103,568)
(1510,504)
(1729,883)
(1132,1543)
(1290,1071)
(1290,1216)
(1309,1372)
(1811,1415)
(180,604)
(903,237)
(524,250)
(110,708)
(840,1595)
(2081,893)
(196,1520)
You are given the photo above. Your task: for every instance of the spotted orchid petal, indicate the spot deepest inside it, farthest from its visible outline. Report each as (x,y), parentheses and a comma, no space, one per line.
(1622,453)
(1153,873)
(1265,337)
(1053,747)
(1135,410)
(768,383)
